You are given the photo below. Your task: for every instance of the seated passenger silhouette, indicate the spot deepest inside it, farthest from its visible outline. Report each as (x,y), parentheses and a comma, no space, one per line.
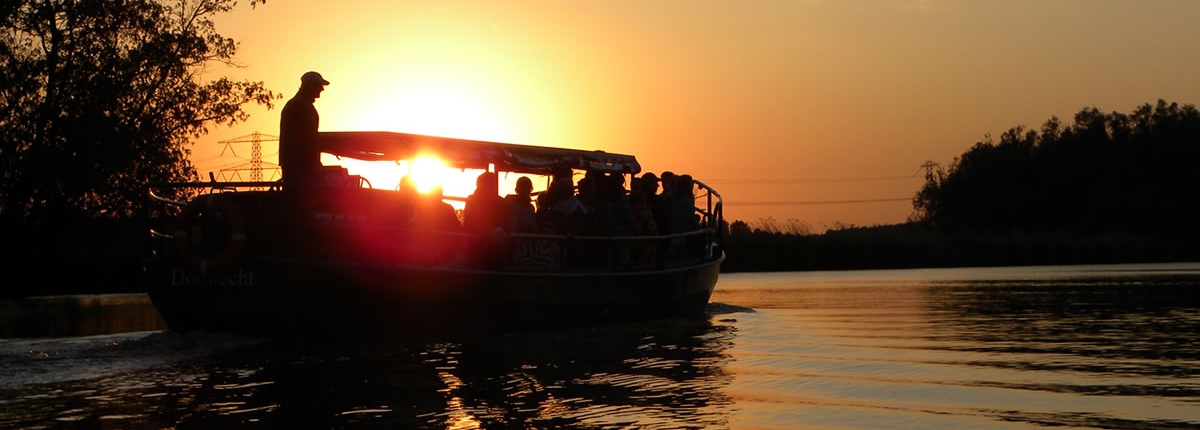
(525,252)
(656,202)
(683,217)
(565,212)
(556,173)
(644,253)
(612,206)
(407,201)
(485,210)
(521,214)
(485,215)
(433,213)
(683,205)
(668,187)
(566,215)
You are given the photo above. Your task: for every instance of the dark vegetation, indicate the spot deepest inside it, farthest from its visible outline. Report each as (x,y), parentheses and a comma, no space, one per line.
(1107,188)
(97,99)
(913,245)
(103,97)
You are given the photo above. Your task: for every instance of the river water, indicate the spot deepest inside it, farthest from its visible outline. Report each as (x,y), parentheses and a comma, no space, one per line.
(1108,347)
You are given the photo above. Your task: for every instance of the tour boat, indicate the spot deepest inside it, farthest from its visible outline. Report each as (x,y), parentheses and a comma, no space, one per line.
(348,255)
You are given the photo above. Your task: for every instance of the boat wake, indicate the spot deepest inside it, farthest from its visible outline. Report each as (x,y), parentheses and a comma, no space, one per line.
(724,309)
(56,360)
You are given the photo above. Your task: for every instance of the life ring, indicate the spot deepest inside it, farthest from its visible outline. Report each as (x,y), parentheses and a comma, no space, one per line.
(234,247)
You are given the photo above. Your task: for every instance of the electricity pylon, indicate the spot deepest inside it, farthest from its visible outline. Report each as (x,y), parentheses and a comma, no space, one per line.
(933,172)
(255,166)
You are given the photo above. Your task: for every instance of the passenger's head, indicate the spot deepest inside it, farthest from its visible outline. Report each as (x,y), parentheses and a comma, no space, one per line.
(618,179)
(587,186)
(668,180)
(649,183)
(407,186)
(612,186)
(524,186)
(683,184)
(487,182)
(593,173)
(559,189)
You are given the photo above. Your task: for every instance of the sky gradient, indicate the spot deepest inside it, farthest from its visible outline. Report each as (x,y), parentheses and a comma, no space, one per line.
(821,111)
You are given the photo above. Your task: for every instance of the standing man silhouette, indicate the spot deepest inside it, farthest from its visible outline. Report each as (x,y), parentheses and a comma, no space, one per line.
(299,155)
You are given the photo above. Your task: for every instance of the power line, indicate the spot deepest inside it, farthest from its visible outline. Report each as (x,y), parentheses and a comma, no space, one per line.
(816,202)
(227,165)
(803,181)
(927,167)
(219,157)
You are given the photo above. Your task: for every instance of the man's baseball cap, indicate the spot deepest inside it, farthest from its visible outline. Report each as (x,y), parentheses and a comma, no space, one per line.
(313,78)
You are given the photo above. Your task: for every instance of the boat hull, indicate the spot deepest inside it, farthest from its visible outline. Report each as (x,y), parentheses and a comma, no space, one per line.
(297,296)
(335,253)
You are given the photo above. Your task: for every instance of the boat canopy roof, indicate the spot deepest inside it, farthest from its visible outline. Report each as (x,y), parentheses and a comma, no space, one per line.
(473,154)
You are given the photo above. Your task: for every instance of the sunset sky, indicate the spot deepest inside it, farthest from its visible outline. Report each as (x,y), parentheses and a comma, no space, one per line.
(817,110)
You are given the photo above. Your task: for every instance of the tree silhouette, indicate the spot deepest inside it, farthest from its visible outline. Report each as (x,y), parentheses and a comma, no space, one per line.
(1104,173)
(101,97)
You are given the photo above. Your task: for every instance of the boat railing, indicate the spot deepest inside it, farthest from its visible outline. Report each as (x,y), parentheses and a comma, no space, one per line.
(606,253)
(514,251)
(712,213)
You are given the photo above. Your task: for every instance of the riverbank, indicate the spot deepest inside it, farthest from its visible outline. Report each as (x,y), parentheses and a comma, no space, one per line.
(913,246)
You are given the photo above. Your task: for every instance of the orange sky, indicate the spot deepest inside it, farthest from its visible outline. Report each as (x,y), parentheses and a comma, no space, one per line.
(786,107)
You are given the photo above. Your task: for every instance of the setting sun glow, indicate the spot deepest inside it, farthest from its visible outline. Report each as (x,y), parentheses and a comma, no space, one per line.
(433,102)
(428,172)
(436,102)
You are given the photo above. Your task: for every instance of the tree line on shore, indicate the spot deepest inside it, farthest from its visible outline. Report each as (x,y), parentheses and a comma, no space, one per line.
(915,245)
(1106,188)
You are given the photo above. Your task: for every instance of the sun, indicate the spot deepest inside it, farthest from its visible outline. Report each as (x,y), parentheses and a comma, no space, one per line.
(428,172)
(444,103)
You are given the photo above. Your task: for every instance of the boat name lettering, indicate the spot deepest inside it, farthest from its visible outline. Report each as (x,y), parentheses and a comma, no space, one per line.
(241,278)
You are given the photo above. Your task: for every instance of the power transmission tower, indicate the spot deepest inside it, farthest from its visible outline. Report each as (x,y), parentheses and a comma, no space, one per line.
(255,166)
(929,165)
(930,169)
